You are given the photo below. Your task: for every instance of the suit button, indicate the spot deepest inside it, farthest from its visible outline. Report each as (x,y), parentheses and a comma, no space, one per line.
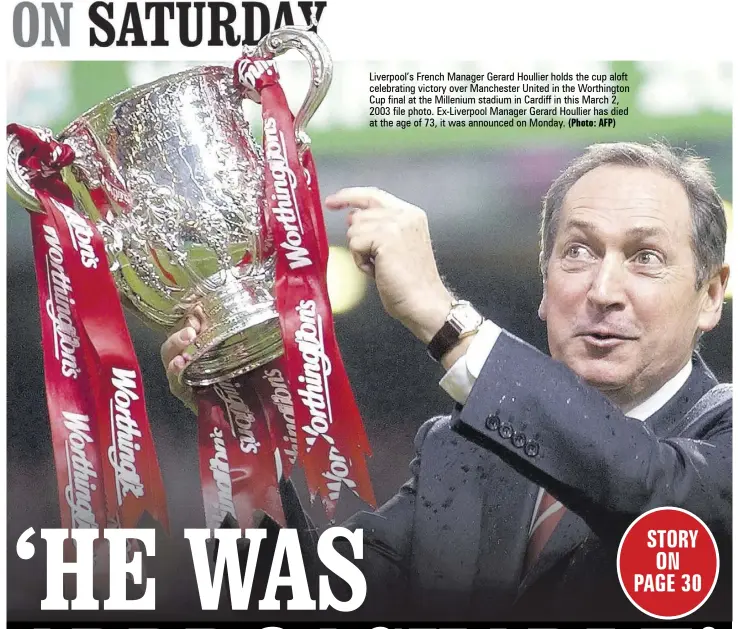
(532,448)
(493,422)
(506,430)
(518,439)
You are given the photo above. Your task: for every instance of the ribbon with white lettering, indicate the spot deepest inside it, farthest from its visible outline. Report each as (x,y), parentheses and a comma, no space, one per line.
(332,443)
(272,388)
(85,332)
(72,415)
(237,457)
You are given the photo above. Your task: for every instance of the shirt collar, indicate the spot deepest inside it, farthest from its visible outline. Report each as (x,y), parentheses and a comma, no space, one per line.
(658,399)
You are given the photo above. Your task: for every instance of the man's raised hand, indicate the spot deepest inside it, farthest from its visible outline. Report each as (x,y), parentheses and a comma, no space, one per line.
(389,240)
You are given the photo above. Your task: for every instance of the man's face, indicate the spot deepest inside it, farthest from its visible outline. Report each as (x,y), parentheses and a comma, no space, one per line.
(620,298)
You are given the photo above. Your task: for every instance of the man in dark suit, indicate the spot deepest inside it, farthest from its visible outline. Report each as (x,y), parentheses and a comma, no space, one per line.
(519,499)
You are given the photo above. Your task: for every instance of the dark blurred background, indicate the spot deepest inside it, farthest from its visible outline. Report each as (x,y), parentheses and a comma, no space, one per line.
(483,200)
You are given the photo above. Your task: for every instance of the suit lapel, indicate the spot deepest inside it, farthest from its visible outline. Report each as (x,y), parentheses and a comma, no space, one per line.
(447,514)
(570,531)
(700,381)
(505,518)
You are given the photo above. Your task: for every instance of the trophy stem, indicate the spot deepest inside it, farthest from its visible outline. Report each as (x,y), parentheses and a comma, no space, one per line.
(241,332)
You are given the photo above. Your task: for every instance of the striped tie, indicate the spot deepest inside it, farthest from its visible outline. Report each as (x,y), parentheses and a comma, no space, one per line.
(549,513)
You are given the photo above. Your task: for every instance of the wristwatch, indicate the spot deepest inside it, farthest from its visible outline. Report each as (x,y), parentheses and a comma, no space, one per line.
(462,320)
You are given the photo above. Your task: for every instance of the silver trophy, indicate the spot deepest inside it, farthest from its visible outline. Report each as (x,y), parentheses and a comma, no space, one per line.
(179,176)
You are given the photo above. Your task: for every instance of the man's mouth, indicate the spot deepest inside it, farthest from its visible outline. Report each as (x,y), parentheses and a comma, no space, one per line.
(605,338)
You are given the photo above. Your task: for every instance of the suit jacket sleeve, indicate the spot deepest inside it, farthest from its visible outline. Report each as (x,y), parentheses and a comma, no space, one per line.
(563,434)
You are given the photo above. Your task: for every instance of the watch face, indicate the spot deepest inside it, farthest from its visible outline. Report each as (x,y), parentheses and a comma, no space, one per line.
(466,318)
(462,321)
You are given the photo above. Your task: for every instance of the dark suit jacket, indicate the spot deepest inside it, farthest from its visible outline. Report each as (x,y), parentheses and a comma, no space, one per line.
(451,543)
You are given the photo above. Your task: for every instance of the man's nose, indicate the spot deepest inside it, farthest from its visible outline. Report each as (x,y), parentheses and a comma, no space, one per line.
(608,286)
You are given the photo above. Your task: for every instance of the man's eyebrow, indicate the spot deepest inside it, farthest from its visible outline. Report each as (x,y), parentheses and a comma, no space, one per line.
(646,232)
(585,226)
(638,231)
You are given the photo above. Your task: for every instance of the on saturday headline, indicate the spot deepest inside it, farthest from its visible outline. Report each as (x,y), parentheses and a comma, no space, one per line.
(157,24)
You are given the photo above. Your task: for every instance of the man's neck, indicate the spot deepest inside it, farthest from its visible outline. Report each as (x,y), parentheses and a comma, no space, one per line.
(648,405)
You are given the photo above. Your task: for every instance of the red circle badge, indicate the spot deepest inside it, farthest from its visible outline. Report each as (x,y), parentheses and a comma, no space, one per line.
(668,563)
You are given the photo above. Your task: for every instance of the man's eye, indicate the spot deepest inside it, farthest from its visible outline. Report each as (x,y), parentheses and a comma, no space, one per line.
(647,258)
(576,252)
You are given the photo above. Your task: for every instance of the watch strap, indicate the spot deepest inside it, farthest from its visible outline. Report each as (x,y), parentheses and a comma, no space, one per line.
(443,341)
(457,326)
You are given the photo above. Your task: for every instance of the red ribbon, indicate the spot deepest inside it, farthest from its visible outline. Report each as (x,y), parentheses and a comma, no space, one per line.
(237,455)
(107,469)
(332,444)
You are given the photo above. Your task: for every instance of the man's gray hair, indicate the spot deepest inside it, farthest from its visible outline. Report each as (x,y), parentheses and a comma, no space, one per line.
(709,225)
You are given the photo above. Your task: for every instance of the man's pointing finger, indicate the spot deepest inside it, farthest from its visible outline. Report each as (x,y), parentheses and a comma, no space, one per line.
(360,198)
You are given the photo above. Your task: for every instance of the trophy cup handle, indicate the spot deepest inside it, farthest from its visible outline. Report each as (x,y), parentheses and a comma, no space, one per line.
(312,47)
(17,183)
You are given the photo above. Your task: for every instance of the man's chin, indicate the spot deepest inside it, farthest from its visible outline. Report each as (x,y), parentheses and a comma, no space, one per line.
(606,374)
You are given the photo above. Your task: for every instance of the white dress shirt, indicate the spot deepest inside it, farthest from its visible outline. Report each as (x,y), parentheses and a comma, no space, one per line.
(459,381)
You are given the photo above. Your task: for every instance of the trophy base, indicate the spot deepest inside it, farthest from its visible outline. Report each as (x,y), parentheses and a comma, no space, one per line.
(241,332)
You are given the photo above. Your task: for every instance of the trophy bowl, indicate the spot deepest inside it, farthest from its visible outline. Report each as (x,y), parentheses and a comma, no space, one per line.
(172,178)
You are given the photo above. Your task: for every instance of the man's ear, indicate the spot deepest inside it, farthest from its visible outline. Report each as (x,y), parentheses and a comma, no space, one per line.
(542,310)
(713,298)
